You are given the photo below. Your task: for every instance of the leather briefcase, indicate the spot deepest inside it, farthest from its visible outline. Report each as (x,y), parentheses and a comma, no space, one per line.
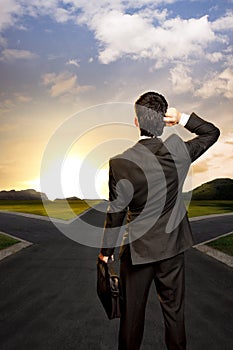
(108,289)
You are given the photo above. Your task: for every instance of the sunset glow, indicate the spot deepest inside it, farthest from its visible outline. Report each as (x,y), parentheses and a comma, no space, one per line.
(58,60)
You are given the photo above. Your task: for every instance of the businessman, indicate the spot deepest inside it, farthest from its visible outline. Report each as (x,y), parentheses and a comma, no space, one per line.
(145,198)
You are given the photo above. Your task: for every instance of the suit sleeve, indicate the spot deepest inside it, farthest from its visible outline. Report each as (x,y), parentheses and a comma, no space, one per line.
(115,216)
(207,136)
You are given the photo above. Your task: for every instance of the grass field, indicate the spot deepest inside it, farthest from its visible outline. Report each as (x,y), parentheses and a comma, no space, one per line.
(6,241)
(58,209)
(200,208)
(225,244)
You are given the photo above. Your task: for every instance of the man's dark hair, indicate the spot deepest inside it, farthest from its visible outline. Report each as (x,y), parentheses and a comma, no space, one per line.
(150,110)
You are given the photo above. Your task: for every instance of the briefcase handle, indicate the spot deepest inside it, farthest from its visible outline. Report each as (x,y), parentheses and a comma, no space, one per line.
(114,285)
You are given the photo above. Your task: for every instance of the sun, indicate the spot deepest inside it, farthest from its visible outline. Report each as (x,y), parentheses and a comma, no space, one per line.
(82,179)
(78,176)
(70,175)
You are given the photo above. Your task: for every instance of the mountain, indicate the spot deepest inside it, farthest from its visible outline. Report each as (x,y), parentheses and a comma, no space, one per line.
(22,195)
(68,199)
(218,189)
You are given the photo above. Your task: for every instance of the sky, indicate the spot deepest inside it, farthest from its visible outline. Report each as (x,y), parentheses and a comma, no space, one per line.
(87,62)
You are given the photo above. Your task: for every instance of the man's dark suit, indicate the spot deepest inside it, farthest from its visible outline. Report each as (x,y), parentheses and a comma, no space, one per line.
(145,184)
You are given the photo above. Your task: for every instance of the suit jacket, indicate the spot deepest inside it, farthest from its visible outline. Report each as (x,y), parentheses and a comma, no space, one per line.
(145,188)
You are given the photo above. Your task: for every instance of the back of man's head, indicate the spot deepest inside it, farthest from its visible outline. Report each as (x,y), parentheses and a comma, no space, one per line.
(150,109)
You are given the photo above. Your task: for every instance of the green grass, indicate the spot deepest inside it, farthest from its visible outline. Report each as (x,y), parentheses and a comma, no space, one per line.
(58,209)
(200,208)
(6,241)
(225,244)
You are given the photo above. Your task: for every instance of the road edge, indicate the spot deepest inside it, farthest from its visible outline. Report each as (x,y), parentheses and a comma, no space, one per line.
(13,248)
(216,254)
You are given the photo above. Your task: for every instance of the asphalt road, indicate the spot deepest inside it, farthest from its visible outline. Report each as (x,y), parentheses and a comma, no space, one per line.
(48,295)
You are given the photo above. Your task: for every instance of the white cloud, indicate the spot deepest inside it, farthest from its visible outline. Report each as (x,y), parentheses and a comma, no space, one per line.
(223,23)
(73,62)
(181,79)
(9,11)
(90,8)
(62,15)
(15,54)
(138,36)
(129,34)
(22,97)
(135,36)
(6,105)
(140,3)
(152,14)
(40,7)
(59,84)
(217,85)
(63,84)
(145,33)
(214,56)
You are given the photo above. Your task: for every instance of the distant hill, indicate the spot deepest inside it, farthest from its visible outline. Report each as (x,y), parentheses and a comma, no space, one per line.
(68,199)
(218,189)
(22,195)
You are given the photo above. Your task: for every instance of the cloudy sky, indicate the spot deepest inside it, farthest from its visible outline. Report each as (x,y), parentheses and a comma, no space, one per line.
(60,58)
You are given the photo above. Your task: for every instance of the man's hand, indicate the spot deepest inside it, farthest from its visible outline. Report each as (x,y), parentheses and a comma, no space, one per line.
(105,258)
(172,116)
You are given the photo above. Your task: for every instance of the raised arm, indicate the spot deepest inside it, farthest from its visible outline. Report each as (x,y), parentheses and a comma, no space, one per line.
(207,136)
(207,133)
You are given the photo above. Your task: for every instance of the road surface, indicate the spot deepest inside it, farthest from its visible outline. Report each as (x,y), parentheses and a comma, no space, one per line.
(48,295)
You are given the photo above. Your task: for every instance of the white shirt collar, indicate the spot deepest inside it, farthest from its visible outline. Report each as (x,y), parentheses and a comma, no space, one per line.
(145,137)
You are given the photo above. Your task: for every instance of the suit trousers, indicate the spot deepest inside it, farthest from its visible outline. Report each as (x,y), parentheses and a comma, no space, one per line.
(169,278)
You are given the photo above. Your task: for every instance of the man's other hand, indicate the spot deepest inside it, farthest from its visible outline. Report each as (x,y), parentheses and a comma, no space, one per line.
(103,258)
(172,117)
